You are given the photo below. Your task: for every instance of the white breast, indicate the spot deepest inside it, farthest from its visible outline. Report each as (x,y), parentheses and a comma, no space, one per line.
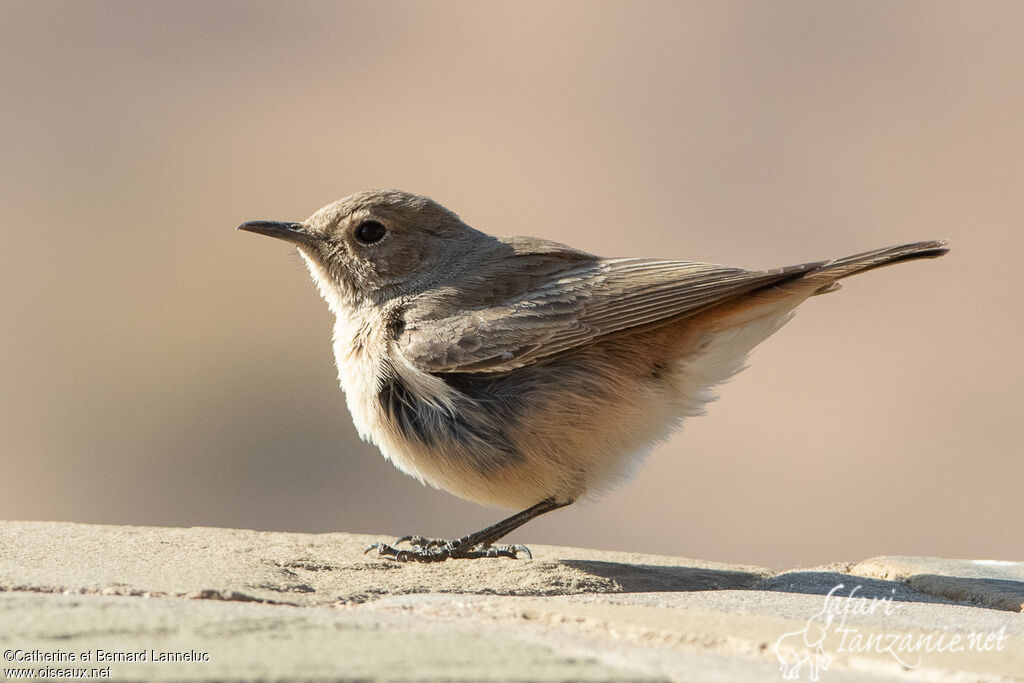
(358,352)
(361,354)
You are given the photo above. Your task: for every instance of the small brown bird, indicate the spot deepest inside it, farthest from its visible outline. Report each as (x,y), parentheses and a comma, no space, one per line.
(520,372)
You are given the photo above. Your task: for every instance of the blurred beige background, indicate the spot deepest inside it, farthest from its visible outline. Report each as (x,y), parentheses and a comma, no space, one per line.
(159,368)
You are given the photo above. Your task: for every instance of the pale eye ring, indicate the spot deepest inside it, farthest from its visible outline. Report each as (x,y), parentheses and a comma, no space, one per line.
(369,232)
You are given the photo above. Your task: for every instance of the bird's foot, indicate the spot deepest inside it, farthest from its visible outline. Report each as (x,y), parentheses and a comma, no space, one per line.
(438,550)
(471,547)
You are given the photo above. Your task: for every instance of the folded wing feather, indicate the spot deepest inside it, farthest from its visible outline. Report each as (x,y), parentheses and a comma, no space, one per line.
(573,307)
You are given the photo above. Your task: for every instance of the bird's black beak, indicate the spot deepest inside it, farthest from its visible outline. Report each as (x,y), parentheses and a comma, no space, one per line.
(289,232)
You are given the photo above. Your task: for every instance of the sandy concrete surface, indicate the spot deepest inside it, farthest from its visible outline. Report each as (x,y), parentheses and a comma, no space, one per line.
(158,603)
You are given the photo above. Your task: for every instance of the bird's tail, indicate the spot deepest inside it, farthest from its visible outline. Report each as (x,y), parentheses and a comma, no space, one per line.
(869,260)
(826,274)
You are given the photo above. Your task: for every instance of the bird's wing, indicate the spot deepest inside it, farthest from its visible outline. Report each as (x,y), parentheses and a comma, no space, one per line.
(572,306)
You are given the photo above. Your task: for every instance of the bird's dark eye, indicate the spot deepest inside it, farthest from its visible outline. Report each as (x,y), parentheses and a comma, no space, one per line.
(369,232)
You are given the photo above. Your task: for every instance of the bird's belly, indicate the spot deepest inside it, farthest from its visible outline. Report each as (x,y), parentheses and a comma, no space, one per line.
(458,450)
(577,425)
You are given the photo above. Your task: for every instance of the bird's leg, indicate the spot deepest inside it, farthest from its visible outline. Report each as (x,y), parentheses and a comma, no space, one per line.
(472,546)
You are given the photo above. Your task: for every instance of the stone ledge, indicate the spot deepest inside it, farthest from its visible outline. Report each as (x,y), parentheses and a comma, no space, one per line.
(312,607)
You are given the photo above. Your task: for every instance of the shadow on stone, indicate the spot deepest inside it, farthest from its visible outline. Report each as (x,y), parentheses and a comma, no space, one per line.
(646,578)
(1004,594)
(821,583)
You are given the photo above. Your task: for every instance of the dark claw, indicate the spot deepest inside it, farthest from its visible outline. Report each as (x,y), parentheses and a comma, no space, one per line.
(439,550)
(511,551)
(516,549)
(382,548)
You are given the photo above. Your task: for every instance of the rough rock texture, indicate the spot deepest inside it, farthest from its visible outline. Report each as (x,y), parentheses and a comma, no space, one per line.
(988,583)
(232,603)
